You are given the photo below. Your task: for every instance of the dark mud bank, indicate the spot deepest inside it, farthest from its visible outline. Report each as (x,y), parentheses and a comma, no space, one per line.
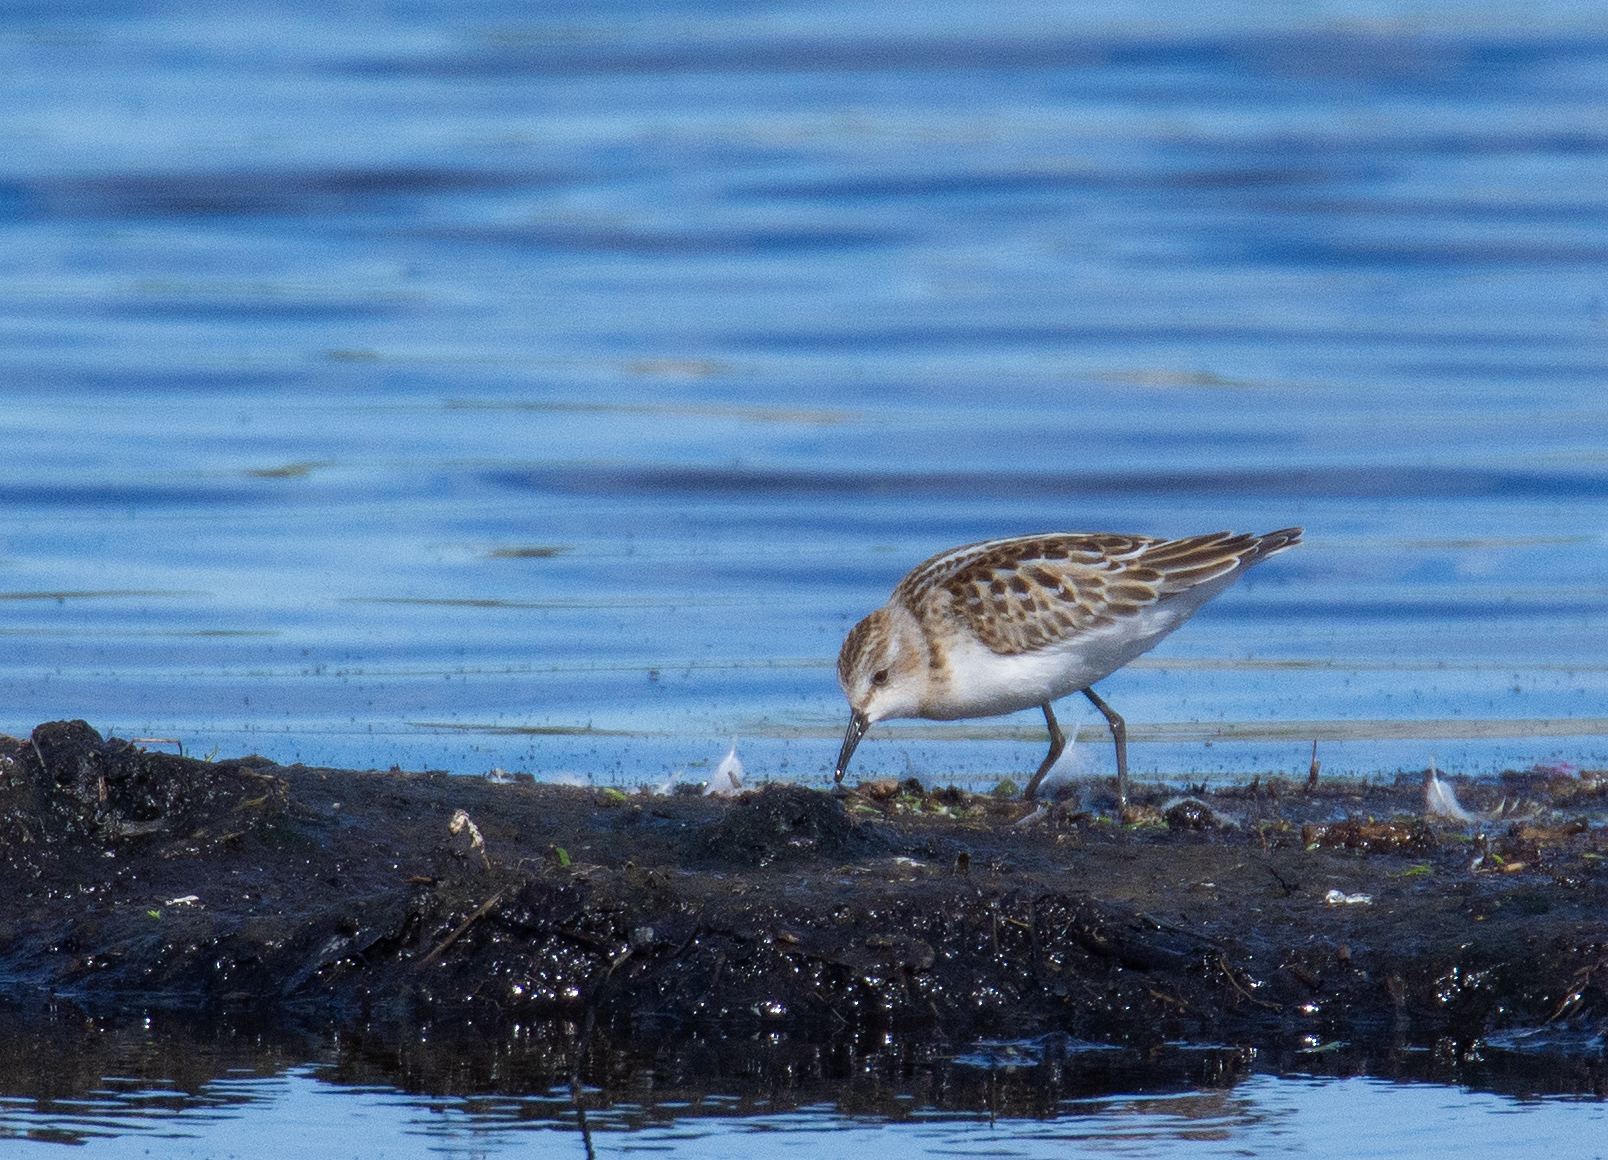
(1267,915)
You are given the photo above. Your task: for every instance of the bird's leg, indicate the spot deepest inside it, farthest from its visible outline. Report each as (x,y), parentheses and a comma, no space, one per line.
(1119,733)
(1057,744)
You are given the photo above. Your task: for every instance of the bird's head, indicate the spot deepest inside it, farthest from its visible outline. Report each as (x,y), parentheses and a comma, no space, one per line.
(883,668)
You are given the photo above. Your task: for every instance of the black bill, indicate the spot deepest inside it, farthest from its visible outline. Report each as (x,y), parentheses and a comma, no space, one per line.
(857,727)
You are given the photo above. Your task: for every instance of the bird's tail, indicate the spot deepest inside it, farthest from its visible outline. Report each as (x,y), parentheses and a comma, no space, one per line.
(1272,544)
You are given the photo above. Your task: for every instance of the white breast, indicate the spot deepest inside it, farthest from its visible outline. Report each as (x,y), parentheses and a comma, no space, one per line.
(975,681)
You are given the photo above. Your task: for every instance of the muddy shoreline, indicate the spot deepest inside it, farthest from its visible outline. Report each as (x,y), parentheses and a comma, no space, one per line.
(922,919)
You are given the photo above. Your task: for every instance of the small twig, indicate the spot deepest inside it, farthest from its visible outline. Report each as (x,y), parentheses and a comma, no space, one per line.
(1312,774)
(158,741)
(581,1049)
(1175,929)
(1577,986)
(584,1044)
(1222,964)
(590,1021)
(1181,1004)
(1289,887)
(462,926)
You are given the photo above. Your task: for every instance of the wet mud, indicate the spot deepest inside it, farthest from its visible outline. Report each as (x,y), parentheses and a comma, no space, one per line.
(549,930)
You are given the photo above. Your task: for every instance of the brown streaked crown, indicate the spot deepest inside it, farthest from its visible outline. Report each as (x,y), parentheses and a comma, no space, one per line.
(858,640)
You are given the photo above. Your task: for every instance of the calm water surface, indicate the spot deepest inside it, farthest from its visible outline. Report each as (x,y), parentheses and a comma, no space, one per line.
(116,1092)
(473,385)
(1350,1119)
(477,384)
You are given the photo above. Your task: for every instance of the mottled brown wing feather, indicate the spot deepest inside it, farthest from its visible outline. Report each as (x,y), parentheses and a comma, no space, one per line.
(1026,593)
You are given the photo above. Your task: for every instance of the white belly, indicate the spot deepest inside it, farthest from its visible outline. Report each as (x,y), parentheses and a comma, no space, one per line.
(978,682)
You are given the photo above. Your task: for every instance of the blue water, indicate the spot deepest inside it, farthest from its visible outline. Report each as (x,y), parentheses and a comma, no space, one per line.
(477,384)
(295,1114)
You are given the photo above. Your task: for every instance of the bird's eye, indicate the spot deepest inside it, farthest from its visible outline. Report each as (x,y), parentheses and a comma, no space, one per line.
(880,677)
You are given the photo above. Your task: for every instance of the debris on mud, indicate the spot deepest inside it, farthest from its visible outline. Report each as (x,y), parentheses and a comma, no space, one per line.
(1369,836)
(390,899)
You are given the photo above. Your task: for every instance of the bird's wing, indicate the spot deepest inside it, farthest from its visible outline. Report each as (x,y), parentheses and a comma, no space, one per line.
(1030,592)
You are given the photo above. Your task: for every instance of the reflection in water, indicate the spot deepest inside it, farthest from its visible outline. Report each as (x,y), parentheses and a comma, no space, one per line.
(178,1090)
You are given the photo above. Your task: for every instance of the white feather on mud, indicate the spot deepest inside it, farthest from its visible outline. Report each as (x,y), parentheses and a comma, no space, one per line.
(1440,800)
(1061,779)
(1032,819)
(728,776)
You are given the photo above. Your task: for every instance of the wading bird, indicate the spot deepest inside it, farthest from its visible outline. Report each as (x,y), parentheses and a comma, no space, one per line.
(1005,625)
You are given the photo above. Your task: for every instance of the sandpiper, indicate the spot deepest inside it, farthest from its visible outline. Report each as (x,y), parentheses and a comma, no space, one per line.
(1012,624)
